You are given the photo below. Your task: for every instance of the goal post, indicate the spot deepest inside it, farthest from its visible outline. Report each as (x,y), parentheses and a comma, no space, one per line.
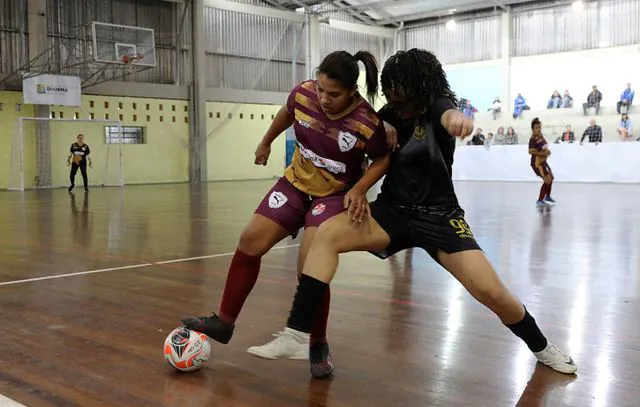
(40,150)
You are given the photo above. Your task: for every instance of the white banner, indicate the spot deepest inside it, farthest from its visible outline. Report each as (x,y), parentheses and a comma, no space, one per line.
(52,90)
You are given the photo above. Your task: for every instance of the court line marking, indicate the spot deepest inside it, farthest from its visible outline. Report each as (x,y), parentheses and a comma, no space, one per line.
(7,402)
(129,267)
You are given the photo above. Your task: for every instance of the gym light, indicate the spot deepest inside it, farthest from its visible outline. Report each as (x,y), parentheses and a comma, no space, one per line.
(451,25)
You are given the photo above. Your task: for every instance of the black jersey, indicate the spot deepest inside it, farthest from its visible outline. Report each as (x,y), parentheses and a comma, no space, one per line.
(420,172)
(79,153)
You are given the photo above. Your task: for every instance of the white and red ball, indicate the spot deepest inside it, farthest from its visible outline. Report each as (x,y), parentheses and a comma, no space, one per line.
(186,350)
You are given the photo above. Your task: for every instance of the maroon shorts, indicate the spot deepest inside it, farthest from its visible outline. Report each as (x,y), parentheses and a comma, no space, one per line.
(542,169)
(293,209)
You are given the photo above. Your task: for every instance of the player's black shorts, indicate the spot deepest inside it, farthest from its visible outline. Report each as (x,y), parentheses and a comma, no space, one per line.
(433,230)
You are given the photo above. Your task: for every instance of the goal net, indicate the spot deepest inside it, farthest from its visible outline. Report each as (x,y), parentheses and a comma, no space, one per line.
(40,153)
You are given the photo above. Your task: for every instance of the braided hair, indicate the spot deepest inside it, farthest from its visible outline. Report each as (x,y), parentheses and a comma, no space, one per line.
(416,76)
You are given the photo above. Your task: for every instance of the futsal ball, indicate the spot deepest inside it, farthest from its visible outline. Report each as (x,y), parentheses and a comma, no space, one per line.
(186,350)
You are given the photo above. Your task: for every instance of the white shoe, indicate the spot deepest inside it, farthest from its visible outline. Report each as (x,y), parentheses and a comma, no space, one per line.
(289,344)
(556,359)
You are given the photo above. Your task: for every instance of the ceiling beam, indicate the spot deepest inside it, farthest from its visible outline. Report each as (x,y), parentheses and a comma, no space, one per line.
(255,10)
(359,28)
(378,5)
(479,5)
(365,19)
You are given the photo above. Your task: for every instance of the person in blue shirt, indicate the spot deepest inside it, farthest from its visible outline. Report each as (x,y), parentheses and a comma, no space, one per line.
(625,127)
(520,104)
(626,99)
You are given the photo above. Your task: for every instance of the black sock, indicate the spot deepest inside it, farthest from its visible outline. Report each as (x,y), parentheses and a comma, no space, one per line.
(528,331)
(305,303)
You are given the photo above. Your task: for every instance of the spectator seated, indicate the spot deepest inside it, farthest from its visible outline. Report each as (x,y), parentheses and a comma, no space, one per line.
(555,123)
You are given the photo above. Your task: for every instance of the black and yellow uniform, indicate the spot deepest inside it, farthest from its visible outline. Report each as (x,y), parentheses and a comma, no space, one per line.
(79,157)
(417,205)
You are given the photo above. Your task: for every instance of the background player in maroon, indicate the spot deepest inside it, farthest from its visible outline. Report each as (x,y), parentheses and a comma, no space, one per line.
(335,130)
(539,150)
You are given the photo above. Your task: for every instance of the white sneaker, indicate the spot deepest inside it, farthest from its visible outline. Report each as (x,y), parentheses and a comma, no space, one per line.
(289,344)
(556,359)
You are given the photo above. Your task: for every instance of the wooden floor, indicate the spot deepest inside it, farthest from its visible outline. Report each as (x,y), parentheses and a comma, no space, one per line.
(403,332)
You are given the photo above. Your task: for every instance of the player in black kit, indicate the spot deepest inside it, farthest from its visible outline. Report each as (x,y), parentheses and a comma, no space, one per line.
(417,207)
(78,160)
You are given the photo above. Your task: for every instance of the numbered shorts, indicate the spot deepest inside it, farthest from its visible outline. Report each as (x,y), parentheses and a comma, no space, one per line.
(541,170)
(293,209)
(447,232)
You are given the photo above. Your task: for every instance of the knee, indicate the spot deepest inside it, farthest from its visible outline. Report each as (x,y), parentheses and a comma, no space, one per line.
(254,242)
(328,236)
(496,297)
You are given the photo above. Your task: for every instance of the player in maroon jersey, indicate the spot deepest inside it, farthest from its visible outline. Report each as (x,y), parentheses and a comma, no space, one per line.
(539,150)
(336,129)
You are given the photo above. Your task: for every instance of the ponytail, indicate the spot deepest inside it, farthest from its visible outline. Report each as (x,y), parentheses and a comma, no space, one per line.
(371,73)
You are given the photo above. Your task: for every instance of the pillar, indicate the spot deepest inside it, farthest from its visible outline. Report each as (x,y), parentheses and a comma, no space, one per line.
(37,27)
(198,127)
(313,47)
(507,36)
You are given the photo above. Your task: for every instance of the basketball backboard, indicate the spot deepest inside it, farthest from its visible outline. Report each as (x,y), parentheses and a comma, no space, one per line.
(122,44)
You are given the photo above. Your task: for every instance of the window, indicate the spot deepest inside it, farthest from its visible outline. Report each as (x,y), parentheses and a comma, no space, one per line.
(130,135)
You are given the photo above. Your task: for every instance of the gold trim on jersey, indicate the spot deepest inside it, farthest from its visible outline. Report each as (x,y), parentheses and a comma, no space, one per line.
(359,127)
(419,133)
(356,103)
(307,102)
(309,121)
(308,178)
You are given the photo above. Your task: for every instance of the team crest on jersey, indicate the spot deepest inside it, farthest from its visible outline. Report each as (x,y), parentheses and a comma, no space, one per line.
(277,200)
(346,141)
(419,133)
(318,209)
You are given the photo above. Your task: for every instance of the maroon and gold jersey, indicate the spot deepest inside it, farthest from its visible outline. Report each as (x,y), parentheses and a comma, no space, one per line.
(330,150)
(537,144)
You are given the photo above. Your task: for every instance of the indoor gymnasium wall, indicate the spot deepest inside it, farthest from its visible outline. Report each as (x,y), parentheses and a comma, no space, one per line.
(162,158)
(536,77)
(233,133)
(164,155)
(479,82)
(11,108)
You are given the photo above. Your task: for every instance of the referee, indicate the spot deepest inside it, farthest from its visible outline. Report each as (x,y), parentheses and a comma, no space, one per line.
(78,160)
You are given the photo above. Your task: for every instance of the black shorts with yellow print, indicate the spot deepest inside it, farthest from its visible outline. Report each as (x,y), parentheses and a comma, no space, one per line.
(431,229)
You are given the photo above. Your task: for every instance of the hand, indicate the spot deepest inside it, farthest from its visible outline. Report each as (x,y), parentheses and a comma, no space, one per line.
(68,163)
(90,163)
(356,204)
(392,136)
(456,124)
(262,154)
